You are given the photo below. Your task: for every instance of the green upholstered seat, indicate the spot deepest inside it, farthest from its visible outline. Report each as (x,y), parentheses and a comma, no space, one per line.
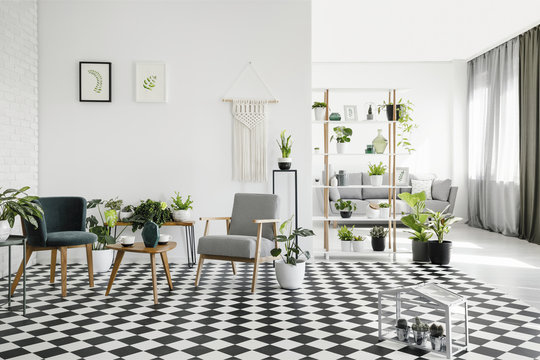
(70,238)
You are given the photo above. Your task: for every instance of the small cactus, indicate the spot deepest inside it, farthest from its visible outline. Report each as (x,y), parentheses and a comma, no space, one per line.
(436,331)
(419,325)
(402,324)
(370,111)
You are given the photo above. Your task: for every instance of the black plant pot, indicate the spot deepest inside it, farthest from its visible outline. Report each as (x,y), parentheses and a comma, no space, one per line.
(284,165)
(390,112)
(420,251)
(345,214)
(377,243)
(439,253)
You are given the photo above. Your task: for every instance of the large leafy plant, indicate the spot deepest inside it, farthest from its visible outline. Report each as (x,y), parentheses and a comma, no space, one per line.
(417,220)
(343,134)
(108,217)
(405,123)
(150,210)
(291,247)
(286,144)
(15,202)
(440,222)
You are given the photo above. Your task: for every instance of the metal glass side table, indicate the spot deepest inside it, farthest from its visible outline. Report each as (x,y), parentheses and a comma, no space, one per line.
(11,241)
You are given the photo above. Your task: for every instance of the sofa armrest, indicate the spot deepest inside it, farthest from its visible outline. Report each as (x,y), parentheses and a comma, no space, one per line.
(452,199)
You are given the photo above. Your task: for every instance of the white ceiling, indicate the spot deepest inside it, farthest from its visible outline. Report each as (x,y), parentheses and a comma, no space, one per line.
(415,30)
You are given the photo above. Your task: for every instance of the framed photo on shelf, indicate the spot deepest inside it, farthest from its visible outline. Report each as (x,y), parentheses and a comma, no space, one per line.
(94,81)
(350,113)
(150,82)
(402,176)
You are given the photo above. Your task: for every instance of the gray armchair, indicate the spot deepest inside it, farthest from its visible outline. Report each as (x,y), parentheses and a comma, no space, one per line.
(250,233)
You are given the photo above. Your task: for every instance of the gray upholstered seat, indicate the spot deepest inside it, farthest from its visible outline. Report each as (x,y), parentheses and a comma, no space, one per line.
(233,245)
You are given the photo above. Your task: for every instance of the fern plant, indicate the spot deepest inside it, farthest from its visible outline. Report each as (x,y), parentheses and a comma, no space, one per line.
(376,169)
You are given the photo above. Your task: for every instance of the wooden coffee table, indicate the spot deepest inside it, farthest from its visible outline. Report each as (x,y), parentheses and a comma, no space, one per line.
(140,248)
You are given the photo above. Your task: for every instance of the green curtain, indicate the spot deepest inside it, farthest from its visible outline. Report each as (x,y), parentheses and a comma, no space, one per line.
(529,53)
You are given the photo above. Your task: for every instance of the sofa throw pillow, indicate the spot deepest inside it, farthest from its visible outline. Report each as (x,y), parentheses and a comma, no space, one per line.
(440,190)
(422,185)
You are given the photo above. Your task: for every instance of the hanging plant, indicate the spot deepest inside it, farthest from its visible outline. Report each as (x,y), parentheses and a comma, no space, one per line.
(406,123)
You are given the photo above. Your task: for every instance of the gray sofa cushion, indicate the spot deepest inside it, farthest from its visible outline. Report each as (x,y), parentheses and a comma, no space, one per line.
(354,193)
(440,190)
(233,245)
(249,207)
(436,205)
(368,193)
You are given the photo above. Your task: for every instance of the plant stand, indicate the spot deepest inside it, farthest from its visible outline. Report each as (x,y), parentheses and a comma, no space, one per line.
(295,195)
(14,240)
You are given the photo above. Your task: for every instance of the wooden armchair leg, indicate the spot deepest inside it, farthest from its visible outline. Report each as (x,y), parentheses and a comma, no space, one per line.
(53,264)
(29,250)
(233,267)
(199,269)
(90,264)
(63,265)
(255,270)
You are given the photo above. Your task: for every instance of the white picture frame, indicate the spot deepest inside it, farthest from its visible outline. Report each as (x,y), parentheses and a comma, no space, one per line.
(402,176)
(150,82)
(350,113)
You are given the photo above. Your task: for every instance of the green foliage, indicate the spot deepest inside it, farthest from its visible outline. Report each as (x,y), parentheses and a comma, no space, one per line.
(384,205)
(358,238)
(343,134)
(128,208)
(440,222)
(378,232)
(15,202)
(318,105)
(114,204)
(436,330)
(108,217)
(345,205)
(377,169)
(345,234)
(291,248)
(99,80)
(405,123)
(419,325)
(178,204)
(150,82)
(150,210)
(402,324)
(286,145)
(417,220)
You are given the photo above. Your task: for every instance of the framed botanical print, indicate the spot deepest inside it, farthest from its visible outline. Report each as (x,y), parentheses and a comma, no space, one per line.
(402,176)
(351,114)
(150,82)
(95,81)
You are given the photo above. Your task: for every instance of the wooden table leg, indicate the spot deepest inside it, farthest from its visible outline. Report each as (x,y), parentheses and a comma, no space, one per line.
(154,277)
(166,267)
(117,261)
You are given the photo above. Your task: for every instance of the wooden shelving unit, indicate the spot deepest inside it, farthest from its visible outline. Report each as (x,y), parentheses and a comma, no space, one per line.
(391,155)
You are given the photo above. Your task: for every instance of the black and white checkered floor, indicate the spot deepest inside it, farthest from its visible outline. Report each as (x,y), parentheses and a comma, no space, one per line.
(333,317)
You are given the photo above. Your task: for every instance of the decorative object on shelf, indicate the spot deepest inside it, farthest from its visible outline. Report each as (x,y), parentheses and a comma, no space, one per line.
(341,178)
(384,210)
(149,210)
(150,82)
(440,223)
(291,270)
(316,150)
(285,146)
(319,109)
(346,236)
(402,176)
(373,211)
(417,223)
(437,338)
(333,181)
(402,330)
(405,122)
(419,330)
(94,81)
(317,181)
(357,243)
(126,240)
(150,234)
(250,97)
(181,209)
(376,172)
(164,239)
(126,212)
(345,208)
(334,117)
(343,137)
(369,149)
(378,236)
(350,113)
(379,142)
(369,115)
(13,203)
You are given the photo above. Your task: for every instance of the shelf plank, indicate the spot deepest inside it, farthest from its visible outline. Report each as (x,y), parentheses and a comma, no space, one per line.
(353,122)
(360,154)
(362,187)
(354,219)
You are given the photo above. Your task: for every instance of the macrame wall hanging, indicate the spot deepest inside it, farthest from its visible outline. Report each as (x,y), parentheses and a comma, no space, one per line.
(250,97)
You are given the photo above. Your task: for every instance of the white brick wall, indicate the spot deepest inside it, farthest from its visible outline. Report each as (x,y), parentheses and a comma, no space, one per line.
(18,103)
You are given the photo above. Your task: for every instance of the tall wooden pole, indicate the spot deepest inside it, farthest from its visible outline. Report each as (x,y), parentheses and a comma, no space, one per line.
(389,174)
(394,169)
(327,175)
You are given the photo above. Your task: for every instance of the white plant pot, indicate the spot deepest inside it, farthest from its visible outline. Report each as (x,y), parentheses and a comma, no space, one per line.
(346,246)
(319,113)
(341,148)
(5,230)
(124,215)
(357,246)
(376,180)
(182,215)
(102,260)
(290,277)
(372,213)
(384,213)
(284,163)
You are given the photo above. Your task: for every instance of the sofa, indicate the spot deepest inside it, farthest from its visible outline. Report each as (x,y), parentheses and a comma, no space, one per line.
(443,194)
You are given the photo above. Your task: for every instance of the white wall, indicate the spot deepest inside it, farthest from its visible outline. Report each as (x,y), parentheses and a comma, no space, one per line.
(437,90)
(18,104)
(144,150)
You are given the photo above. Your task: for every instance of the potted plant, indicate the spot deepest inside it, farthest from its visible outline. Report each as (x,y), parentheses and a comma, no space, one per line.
(343,137)
(376,172)
(402,330)
(346,236)
(290,271)
(378,237)
(150,210)
(114,204)
(419,330)
(345,208)
(369,113)
(384,210)
(181,209)
(13,203)
(284,162)
(357,242)
(101,256)
(373,211)
(319,108)
(440,223)
(126,212)
(317,150)
(405,122)
(417,223)
(437,338)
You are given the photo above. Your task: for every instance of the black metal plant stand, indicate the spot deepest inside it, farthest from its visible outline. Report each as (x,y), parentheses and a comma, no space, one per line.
(11,241)
(295,196)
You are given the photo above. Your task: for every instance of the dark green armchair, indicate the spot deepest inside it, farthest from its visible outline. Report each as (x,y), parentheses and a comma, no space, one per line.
(63,226)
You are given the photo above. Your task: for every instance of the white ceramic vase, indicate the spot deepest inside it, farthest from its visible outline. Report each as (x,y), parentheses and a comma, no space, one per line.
(289,276)
(372,213)
(346,246)
(5,230)
(102,260)
(320,112)
(384,213)
(125,215)
(376,180)
(357,246)
(182,215)
(341,148)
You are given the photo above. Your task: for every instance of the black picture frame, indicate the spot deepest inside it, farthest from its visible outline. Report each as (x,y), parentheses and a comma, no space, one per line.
(84,97)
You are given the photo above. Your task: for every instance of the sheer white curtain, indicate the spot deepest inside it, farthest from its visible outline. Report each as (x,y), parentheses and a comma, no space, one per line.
(493,105)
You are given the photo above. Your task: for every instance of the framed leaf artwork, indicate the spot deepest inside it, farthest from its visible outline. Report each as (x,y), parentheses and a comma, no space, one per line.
(150,82)
(95,81)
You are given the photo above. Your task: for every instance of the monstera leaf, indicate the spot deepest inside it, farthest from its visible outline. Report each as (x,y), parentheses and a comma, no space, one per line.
(150,82)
